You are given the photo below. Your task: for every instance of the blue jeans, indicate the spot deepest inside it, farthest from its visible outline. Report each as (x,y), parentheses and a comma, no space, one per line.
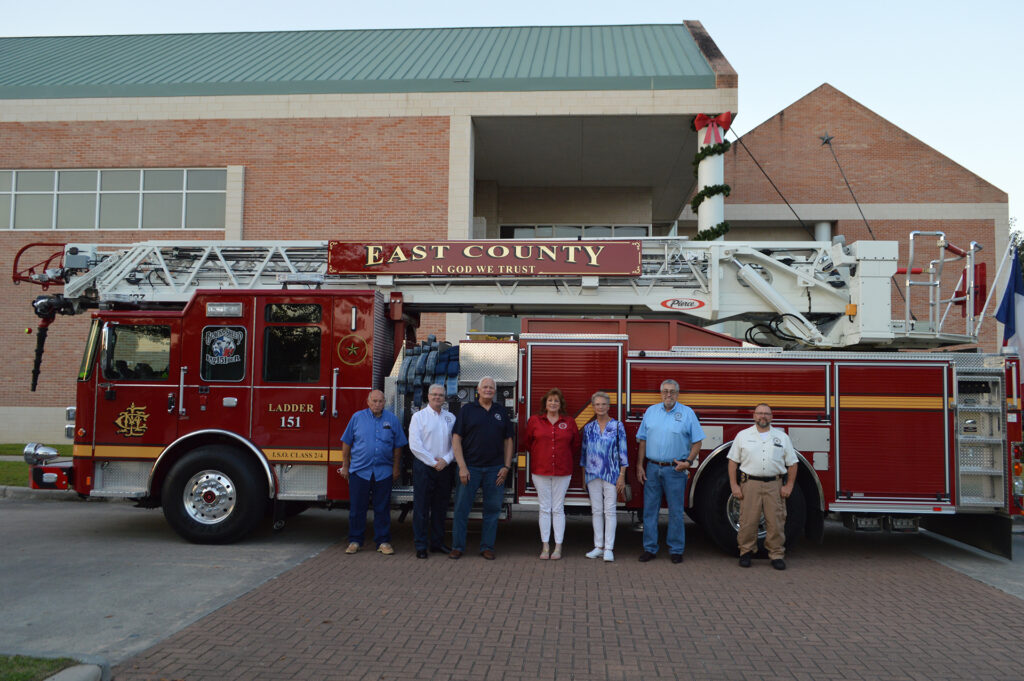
(672,483)
(479,476)
(359,491)
(431,492)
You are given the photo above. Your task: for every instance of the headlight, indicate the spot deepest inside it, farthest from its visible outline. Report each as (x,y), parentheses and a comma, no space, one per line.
(36,453)
(1018,486)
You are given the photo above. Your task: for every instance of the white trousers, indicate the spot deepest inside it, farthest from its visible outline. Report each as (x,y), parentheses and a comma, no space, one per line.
(603,499)
(551,491)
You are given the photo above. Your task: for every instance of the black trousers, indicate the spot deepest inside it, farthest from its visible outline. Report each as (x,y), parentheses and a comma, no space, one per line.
(431,493)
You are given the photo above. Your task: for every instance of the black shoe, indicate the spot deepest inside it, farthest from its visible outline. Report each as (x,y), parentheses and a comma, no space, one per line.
(441,549)
(421,553)
(745,559)
(646,556)
(779,564)
(676,558)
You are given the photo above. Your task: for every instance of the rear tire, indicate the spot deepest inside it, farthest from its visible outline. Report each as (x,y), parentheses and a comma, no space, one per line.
(719,514)
(214,495)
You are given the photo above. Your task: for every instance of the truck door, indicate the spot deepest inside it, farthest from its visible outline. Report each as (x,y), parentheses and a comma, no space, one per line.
(892,434)
(217,350)
(136,393)
(578,370)
(291,418)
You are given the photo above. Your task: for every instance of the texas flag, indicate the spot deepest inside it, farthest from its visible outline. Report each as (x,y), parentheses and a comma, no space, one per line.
(1011,310)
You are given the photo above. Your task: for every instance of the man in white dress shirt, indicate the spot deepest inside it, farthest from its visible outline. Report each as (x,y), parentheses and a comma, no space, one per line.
(430,439)
(762,455)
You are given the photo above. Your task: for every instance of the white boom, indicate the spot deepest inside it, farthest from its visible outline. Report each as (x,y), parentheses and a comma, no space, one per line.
(814,294)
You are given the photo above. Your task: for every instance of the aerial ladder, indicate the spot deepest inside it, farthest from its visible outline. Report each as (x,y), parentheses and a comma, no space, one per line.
(797,294)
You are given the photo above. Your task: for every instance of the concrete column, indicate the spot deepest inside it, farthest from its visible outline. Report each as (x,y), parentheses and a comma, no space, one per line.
(710,171)
(234,199)
(461,154)
(823,231)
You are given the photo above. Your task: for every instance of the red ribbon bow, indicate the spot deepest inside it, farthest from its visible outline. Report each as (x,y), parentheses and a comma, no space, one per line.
(716,125)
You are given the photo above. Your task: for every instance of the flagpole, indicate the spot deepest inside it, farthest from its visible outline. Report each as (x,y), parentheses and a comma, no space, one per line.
(992,289)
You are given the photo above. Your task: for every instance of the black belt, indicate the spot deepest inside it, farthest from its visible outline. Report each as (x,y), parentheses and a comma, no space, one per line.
(660,463)
(759,478)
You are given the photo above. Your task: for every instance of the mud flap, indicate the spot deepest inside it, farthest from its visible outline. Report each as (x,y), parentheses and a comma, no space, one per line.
(991,533)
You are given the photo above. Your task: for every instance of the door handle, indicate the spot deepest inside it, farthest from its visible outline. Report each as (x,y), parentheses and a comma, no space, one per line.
(170,402)
(323,405)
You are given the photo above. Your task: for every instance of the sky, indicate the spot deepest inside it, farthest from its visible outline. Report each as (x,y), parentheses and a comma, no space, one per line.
(945,71)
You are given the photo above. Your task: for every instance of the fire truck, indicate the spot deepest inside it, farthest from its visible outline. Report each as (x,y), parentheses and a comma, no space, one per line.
(217,377)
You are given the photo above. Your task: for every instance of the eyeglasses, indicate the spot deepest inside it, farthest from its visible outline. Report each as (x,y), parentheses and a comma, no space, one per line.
(669,392)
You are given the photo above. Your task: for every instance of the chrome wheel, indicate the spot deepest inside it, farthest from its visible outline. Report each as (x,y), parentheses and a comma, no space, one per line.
(732,512)
(209,497)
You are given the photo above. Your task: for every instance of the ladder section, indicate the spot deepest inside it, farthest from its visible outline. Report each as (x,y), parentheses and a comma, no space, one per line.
(808,293)
(980,438)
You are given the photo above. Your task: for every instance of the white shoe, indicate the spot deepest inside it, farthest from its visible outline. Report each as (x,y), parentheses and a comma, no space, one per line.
(609,557)
(595,553)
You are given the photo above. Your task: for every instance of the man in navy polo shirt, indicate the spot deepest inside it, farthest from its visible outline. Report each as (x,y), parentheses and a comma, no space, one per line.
(371,449)
(482,444)
(669,441)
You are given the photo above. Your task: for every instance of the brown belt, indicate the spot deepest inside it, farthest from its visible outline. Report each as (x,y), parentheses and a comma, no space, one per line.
(661,463)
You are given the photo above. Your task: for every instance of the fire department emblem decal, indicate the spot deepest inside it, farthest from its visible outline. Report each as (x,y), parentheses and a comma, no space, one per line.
(132,421)
(352,349)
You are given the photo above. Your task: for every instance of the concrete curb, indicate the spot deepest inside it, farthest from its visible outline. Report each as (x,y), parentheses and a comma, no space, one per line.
(15,492)
(81,672)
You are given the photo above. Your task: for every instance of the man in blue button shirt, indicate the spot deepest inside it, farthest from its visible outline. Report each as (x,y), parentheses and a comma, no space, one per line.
(669,440)
(371,449)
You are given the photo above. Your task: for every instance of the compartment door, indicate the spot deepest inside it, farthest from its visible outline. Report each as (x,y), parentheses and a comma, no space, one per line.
(578,370)
(892,432)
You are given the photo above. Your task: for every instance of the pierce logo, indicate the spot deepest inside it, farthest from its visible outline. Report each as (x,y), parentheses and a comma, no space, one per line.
(682,303)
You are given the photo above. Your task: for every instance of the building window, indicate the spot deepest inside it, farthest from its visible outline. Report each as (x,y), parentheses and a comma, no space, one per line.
(137,198)
(574,231)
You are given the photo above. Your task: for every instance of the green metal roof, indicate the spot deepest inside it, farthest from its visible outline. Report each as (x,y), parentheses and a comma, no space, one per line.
(643,57)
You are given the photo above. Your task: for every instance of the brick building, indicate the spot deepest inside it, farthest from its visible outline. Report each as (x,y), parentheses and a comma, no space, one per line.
(432,133)
(901,184)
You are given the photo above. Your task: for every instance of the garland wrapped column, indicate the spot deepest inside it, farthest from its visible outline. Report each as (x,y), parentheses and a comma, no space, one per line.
(709,202)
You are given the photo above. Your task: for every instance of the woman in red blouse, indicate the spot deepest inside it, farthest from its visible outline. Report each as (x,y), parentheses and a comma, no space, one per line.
(553,441)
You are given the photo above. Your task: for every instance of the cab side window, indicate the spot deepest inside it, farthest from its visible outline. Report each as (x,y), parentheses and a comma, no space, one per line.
(291,343)
(141,352)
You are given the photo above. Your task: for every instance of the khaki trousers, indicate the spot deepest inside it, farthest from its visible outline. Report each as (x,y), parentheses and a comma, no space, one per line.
(762,497)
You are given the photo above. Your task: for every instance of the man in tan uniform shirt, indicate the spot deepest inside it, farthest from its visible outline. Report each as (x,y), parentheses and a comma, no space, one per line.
(761,455)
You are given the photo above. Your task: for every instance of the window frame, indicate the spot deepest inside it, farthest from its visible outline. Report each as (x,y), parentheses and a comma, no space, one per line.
(97,192)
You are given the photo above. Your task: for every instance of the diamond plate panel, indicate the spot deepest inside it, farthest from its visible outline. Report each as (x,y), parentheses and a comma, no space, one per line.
(301,482)
(499,360)
(121,478)
(980,490)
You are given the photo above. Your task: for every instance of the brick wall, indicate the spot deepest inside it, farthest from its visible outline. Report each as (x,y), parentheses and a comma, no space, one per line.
(350,178)
(884,165)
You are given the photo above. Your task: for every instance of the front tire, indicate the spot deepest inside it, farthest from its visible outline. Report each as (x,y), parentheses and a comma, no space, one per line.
(214,495)
(719,514)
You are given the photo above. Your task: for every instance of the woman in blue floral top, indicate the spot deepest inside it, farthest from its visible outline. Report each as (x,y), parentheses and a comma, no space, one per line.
(603,457)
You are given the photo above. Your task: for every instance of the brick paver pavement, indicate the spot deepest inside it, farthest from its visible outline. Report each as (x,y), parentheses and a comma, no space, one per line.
(857,607)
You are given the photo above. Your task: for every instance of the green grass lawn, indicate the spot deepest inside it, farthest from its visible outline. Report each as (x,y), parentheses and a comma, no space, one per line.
(20,668)
(16,449)
(15,474)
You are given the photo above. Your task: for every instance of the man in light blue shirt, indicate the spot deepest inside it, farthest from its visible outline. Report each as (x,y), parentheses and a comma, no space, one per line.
(669,440)
(371,449)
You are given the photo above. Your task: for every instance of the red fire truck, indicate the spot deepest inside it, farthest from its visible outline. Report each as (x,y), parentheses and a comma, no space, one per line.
(217,378)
